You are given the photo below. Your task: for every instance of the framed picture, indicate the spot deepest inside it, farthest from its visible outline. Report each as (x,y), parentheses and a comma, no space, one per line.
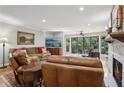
(24,38)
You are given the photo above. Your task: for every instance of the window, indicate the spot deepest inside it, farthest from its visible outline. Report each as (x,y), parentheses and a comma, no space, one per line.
(104,46)
(67,44)
(94,43)
(82,44)
(86,46)
(74,45)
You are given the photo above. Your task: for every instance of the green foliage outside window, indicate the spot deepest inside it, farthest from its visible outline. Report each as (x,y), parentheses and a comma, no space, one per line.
(67,44)
(83,44)
(104,47)
(74,45)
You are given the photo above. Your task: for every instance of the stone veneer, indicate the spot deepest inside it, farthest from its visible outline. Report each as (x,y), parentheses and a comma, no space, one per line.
(116,50)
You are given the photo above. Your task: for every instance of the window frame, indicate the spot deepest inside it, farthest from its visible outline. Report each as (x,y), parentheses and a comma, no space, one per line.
(99,48)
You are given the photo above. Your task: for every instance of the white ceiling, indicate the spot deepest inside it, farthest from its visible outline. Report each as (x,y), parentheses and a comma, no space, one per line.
(59,17)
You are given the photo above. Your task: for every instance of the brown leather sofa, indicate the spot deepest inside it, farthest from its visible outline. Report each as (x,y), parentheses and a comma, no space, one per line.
(60,71)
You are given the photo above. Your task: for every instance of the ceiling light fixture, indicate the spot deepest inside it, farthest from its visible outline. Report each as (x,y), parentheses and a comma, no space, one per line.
(106,28)
(43,20)
(81,8)
(82,33)
(88,24)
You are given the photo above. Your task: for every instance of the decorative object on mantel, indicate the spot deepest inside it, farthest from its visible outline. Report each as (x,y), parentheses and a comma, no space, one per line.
(118,35)
(116,30)
(117,18)
(3,40)
(24,38)
(109,30)
(109,39)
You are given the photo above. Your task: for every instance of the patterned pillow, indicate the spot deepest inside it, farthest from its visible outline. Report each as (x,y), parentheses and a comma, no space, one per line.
(17,52)
(31,50)
(45,52)
(21,59)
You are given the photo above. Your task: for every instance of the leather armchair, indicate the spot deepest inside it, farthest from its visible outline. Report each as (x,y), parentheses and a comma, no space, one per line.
(19,75)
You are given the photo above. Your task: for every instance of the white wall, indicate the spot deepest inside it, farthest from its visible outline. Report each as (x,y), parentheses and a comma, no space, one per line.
(10,32)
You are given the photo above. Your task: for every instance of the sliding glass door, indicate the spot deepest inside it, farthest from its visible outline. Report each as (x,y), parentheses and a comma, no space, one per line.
(67,44)
(94,43)
(81,45)
(86,45)
(74,45)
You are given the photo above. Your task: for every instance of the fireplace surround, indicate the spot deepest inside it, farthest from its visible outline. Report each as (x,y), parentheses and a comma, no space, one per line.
(115,55)
(117,72)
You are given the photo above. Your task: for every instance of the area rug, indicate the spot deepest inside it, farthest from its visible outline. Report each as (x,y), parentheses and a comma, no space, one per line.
(8,80)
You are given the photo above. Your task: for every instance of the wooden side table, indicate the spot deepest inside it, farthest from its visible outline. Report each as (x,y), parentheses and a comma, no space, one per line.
(32,74)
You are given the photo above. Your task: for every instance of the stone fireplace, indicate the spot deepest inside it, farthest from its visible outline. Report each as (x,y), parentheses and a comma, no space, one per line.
(115,65)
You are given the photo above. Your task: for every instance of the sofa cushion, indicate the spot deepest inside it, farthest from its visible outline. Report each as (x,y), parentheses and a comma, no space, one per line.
(31,50)
(89,62)
(57,59)
(38,55)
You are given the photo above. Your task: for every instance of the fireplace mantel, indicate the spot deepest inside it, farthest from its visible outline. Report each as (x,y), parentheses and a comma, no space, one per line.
(118,35)
(120,58)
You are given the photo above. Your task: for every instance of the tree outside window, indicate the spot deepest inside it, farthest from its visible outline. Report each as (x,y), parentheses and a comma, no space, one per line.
(104,46)
(67,44)
(74,45)
(82,45)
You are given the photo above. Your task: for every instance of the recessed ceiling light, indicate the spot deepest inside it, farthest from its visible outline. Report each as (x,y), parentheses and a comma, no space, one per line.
(106,28)
(43,20)
(88,24)
(81,8)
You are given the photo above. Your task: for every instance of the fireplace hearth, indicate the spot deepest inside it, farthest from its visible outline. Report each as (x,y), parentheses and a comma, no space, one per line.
(117,72)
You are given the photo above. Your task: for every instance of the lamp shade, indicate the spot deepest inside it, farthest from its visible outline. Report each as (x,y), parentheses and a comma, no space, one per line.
(3,39)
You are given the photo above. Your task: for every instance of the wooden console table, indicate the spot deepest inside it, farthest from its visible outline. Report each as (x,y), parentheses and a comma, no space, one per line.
(55,50)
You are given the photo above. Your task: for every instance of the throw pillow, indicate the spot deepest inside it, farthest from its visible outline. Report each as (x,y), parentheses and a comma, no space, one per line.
(46,53)
(16,52)
(21,59)
(40,49)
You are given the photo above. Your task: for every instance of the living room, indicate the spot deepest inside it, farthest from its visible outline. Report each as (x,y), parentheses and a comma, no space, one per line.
(82,42)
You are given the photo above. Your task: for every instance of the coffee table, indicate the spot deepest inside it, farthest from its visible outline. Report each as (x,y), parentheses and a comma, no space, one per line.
(32,74)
